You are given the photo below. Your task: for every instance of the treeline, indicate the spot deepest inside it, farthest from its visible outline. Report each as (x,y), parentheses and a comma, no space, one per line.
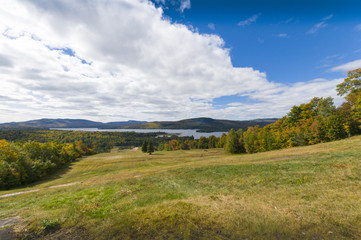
(310,123)
(306,124)
(23,163)
(29,155)
(98,141)
(201,143)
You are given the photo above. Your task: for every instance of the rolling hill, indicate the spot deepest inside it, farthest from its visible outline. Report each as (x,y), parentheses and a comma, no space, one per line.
(310,192)
(203,124)
(65,123)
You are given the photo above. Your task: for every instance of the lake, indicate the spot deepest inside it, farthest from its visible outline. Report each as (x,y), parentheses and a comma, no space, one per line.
(179,132)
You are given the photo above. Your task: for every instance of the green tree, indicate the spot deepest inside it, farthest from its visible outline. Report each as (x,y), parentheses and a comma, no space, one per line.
(150,147)
(222,140)
(144,146)
(351,84)
(239,134)
(231,145)
(212,141)
(250,140)
(203,143)
(351,87)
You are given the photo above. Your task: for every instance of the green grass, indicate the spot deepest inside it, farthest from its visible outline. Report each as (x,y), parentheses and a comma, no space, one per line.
(309,192)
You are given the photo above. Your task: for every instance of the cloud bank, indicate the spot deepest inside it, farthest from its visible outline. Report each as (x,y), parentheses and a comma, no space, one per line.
(121,59)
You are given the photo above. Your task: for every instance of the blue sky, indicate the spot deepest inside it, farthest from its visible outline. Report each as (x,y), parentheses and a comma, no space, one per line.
(291,41)
(149,60)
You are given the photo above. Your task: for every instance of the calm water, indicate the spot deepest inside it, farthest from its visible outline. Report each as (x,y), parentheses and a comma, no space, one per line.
(179,132)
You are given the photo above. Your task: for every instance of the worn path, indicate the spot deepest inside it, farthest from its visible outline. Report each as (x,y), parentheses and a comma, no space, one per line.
(35,190)
(7,228)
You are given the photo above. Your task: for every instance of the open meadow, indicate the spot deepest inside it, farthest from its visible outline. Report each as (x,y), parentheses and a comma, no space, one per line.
(311,192)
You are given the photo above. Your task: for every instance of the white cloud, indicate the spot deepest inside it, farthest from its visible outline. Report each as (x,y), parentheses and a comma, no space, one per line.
(185,4)
(249,20)
(211,26)
(281,35)
(327,17)
(181,5)
(347,66)
(289,20)
(277,101)
(142,66)
(320,25)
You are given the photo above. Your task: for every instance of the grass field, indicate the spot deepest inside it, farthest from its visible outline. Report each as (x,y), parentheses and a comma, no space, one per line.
(309,192)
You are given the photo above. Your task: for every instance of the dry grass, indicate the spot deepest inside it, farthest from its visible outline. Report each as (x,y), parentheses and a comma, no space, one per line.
(300,193)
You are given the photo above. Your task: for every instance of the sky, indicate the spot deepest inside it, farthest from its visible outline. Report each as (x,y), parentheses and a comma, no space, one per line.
(119,60)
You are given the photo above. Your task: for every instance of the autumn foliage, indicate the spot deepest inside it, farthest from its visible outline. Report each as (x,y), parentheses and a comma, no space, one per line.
(23,163)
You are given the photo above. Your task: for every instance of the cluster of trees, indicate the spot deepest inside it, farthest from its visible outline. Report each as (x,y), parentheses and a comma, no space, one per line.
(99,141)
(201,143)
(309,123)
(147,147)
(23,163)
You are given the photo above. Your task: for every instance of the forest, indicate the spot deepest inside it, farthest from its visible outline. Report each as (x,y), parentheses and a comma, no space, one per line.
(29,155)
(28,162)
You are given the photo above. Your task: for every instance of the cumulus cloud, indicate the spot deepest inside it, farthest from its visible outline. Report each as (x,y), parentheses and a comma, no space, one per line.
(319,25)
(120,60)
(347,66)
(249,20)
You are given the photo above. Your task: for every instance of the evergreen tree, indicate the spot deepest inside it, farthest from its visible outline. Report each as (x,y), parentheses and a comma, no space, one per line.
(144,146)
(231,145)
(150,147)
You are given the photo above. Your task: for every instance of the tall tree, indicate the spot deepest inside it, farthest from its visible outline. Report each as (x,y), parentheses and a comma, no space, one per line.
(144,146)
(150,147)
(351,87)
(231,145)
(203,143)
(351,84)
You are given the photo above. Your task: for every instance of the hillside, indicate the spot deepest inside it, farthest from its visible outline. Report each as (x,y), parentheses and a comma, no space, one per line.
(204,124)
(308,192)
(65,123)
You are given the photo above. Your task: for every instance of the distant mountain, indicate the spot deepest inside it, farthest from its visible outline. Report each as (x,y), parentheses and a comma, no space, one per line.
(65,123)
(203,124)
(122,124)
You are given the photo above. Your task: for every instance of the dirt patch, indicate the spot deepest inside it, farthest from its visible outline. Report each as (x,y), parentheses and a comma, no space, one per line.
(17,193)
(64,185)
(8,222)
(7,228)
(285,158)
(35,190)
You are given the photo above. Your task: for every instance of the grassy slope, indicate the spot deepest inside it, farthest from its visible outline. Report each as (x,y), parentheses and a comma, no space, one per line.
(309,192)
